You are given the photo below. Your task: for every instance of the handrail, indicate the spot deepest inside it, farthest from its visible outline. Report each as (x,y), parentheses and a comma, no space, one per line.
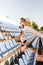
(36,32)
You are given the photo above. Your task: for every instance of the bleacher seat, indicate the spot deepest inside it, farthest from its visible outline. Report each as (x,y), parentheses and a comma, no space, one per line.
(21,61)
(24,59)
(11,60)
(29,52)
(14,42)
(11,44)
(7,45)
(3,49)
(7,63)
(1,36)
(34,44)
(26,55)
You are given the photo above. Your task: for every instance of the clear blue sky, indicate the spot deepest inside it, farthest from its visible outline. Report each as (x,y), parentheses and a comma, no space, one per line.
(23,8)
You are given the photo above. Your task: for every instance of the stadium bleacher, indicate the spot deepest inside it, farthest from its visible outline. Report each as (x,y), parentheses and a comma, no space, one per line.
(10,50)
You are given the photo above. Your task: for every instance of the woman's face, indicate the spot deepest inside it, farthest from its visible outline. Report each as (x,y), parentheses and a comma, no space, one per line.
(22,22)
